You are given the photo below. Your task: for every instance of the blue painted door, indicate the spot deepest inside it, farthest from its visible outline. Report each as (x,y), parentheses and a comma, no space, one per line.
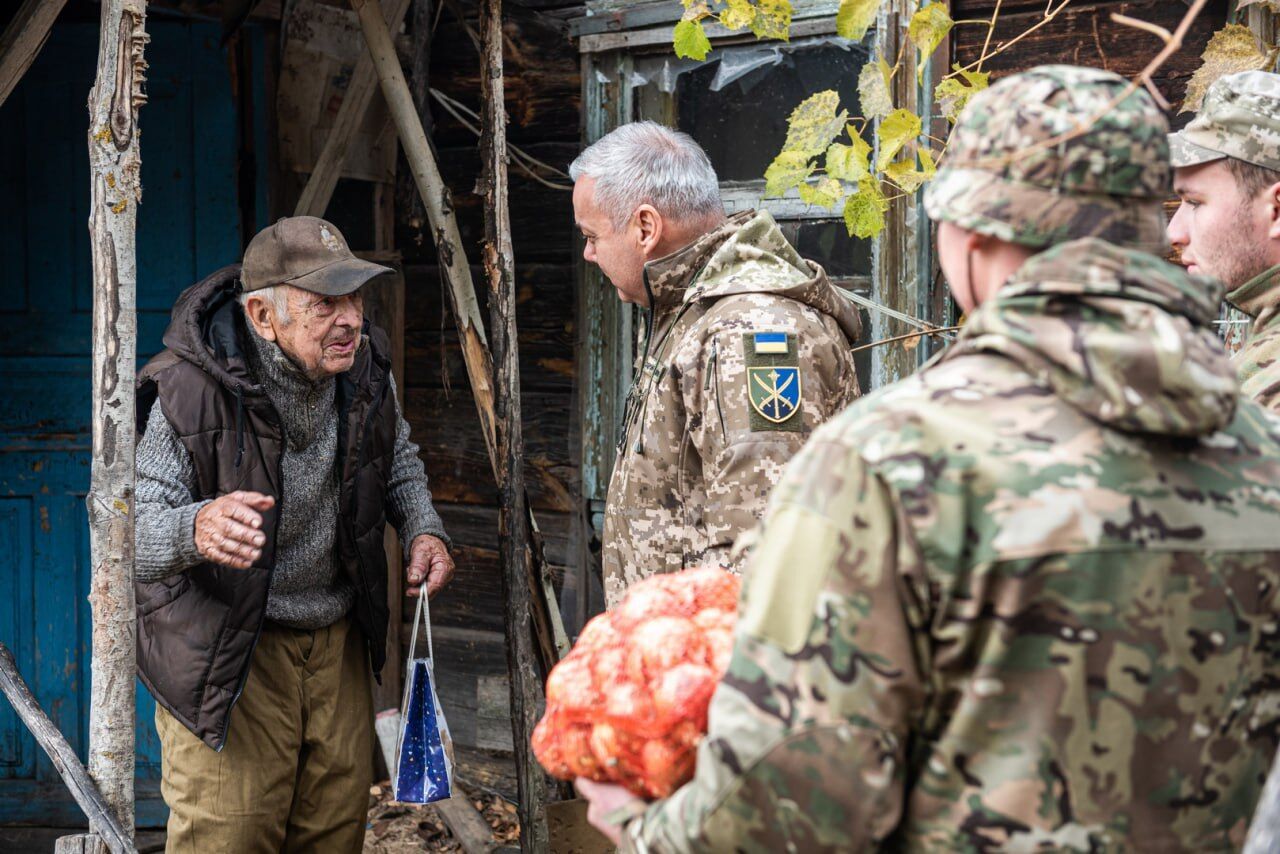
(189,224)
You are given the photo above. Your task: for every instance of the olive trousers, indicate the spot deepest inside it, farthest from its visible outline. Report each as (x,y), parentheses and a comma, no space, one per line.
(295,772)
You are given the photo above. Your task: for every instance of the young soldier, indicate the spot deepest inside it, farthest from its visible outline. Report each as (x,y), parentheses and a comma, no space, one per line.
(1227,172)
(1025,599)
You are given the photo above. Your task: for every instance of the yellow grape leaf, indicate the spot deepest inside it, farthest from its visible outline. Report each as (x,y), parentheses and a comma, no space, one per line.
(691,41)
(873,89)
(954,93)
(895,131)
(737,15)
(855,17)
(1232,48)
(928,28)
(815,124)
(849,162)
(773,19)
(788,169)
(864,210)
(826,192)
(905,174)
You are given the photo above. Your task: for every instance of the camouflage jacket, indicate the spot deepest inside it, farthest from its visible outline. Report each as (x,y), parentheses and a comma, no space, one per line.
(1023,600)
(748,351)
(1258,362)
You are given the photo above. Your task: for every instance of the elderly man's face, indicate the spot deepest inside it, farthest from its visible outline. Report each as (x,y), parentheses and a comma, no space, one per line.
(320,335)
(617,252)
(1217,229)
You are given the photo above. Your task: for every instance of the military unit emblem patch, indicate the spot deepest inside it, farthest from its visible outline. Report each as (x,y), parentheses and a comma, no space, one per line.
(773,381)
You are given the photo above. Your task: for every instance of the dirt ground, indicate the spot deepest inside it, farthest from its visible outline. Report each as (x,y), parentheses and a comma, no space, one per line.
(395,828)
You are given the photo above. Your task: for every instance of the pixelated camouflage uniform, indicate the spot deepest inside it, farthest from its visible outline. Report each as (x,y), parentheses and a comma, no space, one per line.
(1240,118)
(1025,599)
(696,463)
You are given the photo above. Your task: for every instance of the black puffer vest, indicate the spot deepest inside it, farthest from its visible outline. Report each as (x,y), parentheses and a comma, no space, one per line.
(197,629)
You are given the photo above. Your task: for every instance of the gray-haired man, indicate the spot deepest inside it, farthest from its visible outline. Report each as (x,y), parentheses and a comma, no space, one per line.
(1228,176)
(274,454)
(747,351)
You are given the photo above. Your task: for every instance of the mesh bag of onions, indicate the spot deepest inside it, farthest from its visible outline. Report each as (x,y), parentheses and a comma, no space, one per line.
(629,703)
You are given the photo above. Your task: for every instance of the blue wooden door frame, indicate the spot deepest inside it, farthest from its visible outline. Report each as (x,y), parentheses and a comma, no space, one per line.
(188,225)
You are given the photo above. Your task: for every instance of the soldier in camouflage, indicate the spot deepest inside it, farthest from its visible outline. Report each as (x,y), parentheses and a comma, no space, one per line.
(1024,600)
(1227,173)
(747,351)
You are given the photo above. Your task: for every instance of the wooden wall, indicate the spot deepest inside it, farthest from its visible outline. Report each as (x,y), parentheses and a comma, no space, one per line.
(543,107)
(1084,34)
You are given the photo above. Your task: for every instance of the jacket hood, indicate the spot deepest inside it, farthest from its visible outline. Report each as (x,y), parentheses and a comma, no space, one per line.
(1259,297)
(1121,335)
(747,255)
(207,328)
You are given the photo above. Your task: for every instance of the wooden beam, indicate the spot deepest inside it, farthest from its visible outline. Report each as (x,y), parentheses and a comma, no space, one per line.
(115,174)
(466,824)
(513,514)
(355,104)
(552,640)
(22,40)
(86,794)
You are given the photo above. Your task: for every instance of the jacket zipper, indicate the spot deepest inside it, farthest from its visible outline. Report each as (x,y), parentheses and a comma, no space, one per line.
(271,574)
(715,380)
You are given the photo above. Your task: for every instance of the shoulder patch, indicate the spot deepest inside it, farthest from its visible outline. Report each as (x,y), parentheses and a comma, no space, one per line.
(773,381)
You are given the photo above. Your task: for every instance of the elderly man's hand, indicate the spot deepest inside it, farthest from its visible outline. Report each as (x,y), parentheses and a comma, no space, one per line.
(428,560)
(604,799)
(229,529)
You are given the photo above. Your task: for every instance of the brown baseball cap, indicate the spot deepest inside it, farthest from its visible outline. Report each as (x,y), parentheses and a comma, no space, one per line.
(306,252)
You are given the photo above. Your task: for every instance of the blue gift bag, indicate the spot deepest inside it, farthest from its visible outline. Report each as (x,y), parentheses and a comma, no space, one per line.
(424,770)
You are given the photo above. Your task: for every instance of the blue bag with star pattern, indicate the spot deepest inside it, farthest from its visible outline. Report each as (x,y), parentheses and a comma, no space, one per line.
(424,771)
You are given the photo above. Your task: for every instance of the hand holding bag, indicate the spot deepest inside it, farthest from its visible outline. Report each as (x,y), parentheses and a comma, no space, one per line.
(424,770)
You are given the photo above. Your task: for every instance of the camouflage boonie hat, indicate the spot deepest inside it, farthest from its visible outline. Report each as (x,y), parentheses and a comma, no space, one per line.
(1110,182)
(1240,118)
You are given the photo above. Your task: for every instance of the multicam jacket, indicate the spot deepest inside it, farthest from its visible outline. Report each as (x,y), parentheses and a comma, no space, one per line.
(1258,362)
(1024,600)
(748,352)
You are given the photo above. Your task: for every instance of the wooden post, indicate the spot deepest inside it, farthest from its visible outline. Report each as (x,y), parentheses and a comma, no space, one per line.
(552,641)
(499,265)
(21,41)
(86,794)
(116,189)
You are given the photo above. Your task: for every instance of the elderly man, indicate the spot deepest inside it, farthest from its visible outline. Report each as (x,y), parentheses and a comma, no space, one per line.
(1227,173)
(272,454)
(747,351)
(1024,600)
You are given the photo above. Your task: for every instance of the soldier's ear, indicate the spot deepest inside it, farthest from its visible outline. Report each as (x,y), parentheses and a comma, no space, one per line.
(650,225)
(1273,209)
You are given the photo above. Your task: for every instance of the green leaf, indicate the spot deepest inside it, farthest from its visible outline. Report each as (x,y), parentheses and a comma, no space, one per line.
(855,17)
(826,192)
(849,162)
(815,124)
(873,89)
(953,94)
(773,19)
(895,131)
(864,210)
(691,41)
(788,169)
(737,15)
(928,28)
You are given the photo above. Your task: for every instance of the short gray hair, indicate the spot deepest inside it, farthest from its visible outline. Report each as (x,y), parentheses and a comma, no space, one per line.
(277,295)
(647,163)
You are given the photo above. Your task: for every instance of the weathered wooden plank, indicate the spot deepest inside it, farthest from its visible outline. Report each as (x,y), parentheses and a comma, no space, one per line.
(454,453)
(115,191)
(1084,34)
(351,115)
(21,41)
(107,828)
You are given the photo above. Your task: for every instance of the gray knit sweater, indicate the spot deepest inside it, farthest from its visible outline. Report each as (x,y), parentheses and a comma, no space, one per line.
(308,588)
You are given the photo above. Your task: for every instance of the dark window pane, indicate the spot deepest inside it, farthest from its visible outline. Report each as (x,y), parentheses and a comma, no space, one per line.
(827,242)
(744,124)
